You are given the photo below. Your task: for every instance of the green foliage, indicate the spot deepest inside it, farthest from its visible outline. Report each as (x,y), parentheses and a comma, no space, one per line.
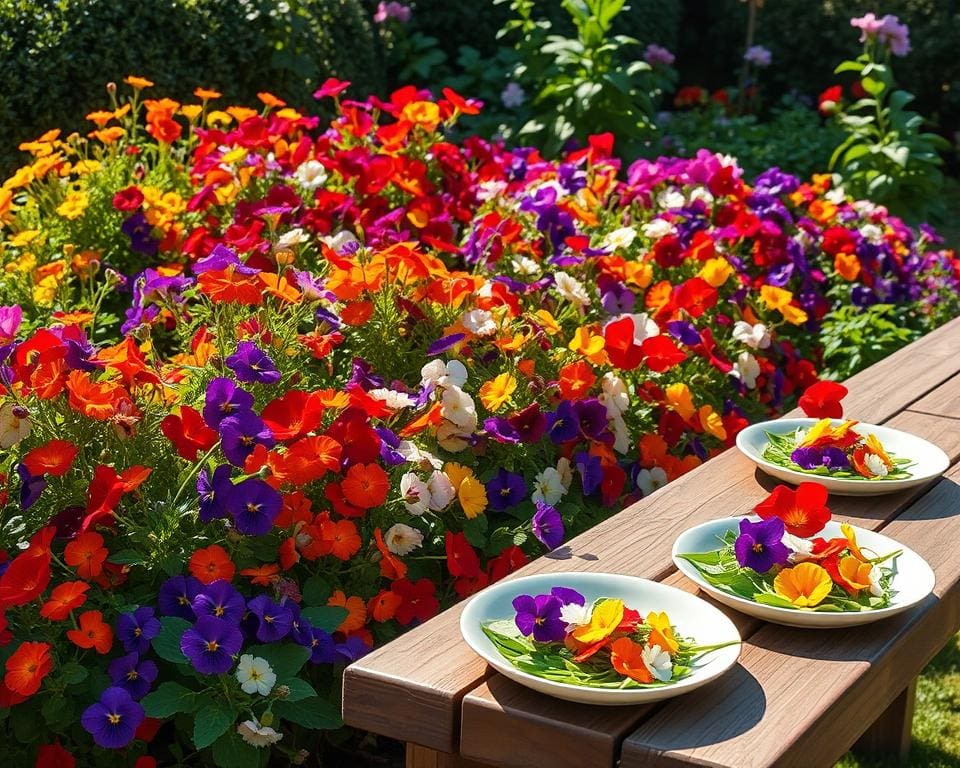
(55,56)
(855,338)
(886,157)
(793,138)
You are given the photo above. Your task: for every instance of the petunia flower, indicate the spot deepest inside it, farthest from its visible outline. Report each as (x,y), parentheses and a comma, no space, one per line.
(210,645)
(547,526)
(759,545)
(114,719)
(823,400)
(539,617)
(250,364)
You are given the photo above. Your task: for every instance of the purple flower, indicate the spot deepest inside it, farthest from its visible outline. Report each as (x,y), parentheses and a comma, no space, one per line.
(352,649)
(322,647)
(176,596)
(224,398)
(501,430)
(31,486)
(221,258)
(444,343)
(812,457)
(540,616)
(591,471)
(759,545)
(563,424)
(137,629)
(274,621)
(114,719)
(592,417)
(389,443)
(253,505)
(250,364)
(684,332)
(220,599)
(656,54)
(140,233)
(506,489)
(547,526)
(758,56)
(133,675)
(240,434)
(568,596)
(213,493)
(211,644)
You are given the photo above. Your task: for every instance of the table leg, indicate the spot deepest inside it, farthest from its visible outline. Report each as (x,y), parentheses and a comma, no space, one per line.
(422,757)
(890,735)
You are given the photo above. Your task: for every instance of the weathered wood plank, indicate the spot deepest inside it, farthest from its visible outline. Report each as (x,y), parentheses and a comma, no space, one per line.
(942,401)
(411,689)
(421,757)
(802,698)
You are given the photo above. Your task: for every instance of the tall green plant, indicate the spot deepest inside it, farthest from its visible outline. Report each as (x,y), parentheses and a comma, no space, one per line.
(886,155)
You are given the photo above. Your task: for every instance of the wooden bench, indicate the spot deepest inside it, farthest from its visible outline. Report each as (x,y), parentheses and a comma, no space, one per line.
(797,697)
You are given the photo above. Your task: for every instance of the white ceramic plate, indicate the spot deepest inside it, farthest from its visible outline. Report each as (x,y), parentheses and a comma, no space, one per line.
(913,579)
(929,460)
(693,617)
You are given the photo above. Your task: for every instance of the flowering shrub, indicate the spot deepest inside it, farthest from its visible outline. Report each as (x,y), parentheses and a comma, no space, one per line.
(274,392)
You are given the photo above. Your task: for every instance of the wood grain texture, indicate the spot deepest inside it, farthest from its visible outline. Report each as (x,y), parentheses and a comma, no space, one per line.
(942,401)
(892,733)
(421,757)
(411,689)
(802,698)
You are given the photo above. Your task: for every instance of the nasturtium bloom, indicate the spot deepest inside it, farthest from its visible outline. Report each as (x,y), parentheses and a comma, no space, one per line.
(626,656)
(805,585)
(803,511)
(606,617)
(661,632)
(27,666)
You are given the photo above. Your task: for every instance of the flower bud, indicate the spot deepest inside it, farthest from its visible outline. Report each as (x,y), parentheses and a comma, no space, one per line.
(281,692)
(267,717)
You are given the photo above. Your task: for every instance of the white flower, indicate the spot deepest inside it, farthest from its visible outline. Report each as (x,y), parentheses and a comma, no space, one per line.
(456,375)
(872,233)
(258,735)
(615,395)
(671,198)
(441,490)
(875,465)
(574,615)
(754,336)
(311,174)
(565,471)
(393,399)
(658,228)
(459,409)
(620,238)
(479,321)
(487,190)
(416,455)
(292,238)
(415,493)
(657,661)
(746,369)
(402,539)
(432,372)
(14,425)
(339,241)
(800,549)
(548,487)
(876,588)
(621,435)
(452,438)
(571,289)
(513,95)
(525,266)
(701,193)
(255,675)
(644,327)
(837,195)
(649,480)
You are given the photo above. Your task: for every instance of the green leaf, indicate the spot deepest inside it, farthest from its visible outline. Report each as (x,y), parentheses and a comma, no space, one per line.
(167,643)
(169,699)
(126,557)
(316,591)
(72,672)
(210,723)
(230,751)
(325,617)
(285,659)
(314,713)
(299,689)
(476,531)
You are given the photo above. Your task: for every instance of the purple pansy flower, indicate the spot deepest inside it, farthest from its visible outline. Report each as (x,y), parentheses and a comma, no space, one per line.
(547,526)
(224,399)
(506,489)
(352,649)
(114,719)
(540,616)
(812,457)
(213,493)
(563,424)
(568,596)
(501,430)
(591,471)
(220,599)
(31,486)
(250,364)
(323,648)
(592,417)
(274,621)
(211,644)
(137,629)
(176,596)
(240,434)
(253,504)
(760,546)
(133,675)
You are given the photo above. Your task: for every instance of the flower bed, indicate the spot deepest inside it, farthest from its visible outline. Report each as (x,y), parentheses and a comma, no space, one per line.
(274,393)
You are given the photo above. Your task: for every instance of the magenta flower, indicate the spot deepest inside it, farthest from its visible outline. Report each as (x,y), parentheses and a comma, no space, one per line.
(656,54)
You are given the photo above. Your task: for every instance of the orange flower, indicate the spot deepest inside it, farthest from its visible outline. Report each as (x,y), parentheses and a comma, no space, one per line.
(52,458)
(137,82)
(63,599)
(576,379)
(94,633)
(98,400)
(263,575)
(626,657)
(366,485)
(86,553)
(384,606)
(27,667)
(356,611)
(212,563)
(270,100)
(206,93)
(342,536)
(847,265)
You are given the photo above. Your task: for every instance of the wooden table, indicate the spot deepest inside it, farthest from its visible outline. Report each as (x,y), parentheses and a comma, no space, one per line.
(797,697)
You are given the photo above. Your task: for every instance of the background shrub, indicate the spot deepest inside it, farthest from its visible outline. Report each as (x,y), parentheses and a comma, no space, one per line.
(55,55)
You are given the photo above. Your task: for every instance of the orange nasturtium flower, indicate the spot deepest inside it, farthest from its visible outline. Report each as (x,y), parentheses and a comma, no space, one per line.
(356,611)
(211,563)
(805,585)
(27,667)
(366,485)
(661,632)
(63,599)
(94,633)
(626,656)
(86,553)
(137,82)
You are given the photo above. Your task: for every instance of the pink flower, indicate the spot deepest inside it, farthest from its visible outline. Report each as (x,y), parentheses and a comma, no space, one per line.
(657,54)
(868,24)
(392,10)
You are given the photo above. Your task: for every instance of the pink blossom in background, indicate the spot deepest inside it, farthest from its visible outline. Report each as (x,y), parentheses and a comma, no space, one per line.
(392,10)
(895,34)
(868,24)
(657,54)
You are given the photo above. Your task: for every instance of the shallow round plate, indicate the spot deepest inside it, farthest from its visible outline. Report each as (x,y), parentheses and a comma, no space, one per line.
(693,618)
(929,460)
(913,579)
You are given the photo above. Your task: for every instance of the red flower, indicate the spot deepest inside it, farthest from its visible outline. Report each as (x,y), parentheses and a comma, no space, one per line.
(696,296)
(661,353)
(24,580)
(462,559)
(822,400)
(63,599)
(294,414)
(54,756)
(86,553)
(188,432)
(128,199)
(829,100)
(508,561)
(331,87)
(27,667)
(366,486)
(418,601)
(621,350)
(804,511)
(105,491)
(54,457)
(94,633)
(211,563)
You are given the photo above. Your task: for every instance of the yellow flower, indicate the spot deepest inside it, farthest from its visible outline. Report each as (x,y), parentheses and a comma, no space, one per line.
(497,392)
(639,273)
(712,423)
(426,114)
(804,585)
(823,430)
(661,632)
(852,545)
(73,205)
(21,178)
(456,473)
(587,344)
(473,496)
(190,111)
(856,573)
(24,237)
(218,117)
(775,298)
(547,322)
(606,617)
(793,315)
(680,399)
(716,271)
(137,82)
